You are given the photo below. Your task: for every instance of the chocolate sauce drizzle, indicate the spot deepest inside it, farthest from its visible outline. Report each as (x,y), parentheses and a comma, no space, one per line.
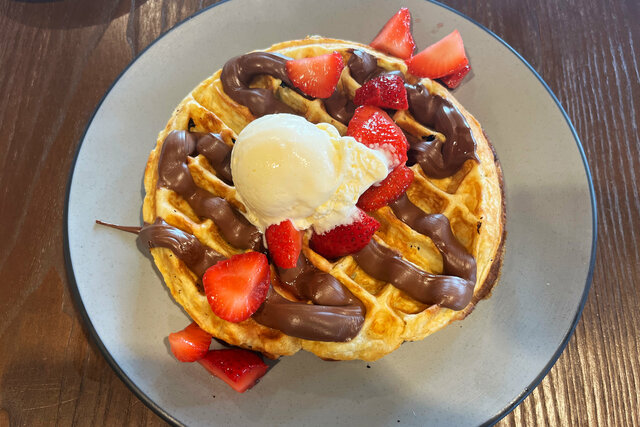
(363,66)
(385,264)
(214,149)
(452,289)
(336,315)
(238,73)
(174,174)
(456,260)
(185,246)
(340,107)
(436,158)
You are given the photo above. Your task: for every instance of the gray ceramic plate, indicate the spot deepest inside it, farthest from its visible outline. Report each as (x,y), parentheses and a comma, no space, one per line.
(472,372)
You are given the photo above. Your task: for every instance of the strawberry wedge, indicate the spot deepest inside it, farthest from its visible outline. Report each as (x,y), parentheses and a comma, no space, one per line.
(190,344)
(317,76)
(374,128)
(385,91)
(390,189)
(284,242)
(440,59)
(453,80)
(236,287)
(395,37)
(239,368)
(345,239)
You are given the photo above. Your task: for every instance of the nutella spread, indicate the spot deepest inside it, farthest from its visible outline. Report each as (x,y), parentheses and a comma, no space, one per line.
(363,66)
(456,260)
(185,246)
(238,72)
(440,159)
(335,315)
(340,107)
(214,149)
(384,264)
(453,289)
(308,321)
(173,173)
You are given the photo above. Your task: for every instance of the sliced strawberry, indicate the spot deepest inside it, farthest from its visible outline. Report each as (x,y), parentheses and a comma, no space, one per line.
(316,76)
(239,368)
(375,129)
(284,242)
(345,239)
(190,344)
(440,59)
(385,91)
(453,80)
(237,286)
(393,186)
(395,37)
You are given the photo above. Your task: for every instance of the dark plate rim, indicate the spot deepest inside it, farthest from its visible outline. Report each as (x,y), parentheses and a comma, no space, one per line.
(73,285)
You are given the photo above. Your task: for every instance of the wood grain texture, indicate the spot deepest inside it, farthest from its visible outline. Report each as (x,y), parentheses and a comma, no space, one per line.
(57,59)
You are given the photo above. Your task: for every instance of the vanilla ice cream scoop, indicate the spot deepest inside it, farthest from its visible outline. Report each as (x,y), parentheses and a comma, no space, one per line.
(285,167)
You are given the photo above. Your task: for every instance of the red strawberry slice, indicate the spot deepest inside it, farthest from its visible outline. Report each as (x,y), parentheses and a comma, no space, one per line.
(375,129)
(440,59)
(453,80)
(392,187)
(395,37)
(345,239)
(239,368)
(284,242)
(237,286)
(385,91)
(190,344)
(316,76)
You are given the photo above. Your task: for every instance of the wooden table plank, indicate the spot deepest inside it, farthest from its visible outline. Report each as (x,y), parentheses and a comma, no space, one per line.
(57,61)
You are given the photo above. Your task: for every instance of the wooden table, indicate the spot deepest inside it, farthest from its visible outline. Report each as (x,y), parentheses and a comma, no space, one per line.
(58,58)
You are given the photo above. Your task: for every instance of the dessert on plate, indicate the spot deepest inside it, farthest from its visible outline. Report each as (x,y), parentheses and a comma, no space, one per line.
(328,196)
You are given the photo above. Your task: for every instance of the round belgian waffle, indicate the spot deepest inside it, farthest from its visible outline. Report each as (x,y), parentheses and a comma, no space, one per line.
(472,199)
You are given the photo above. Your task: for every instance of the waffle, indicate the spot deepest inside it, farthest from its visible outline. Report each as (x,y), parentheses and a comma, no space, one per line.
(472,200)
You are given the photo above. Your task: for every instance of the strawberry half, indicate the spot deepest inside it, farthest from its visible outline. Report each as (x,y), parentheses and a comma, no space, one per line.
(345,239)
(440,59)
(375,129)
(392,187)
(190,344)
(385,91)
(453,80)
(237,286)
(316,76)
(395,37)
(284,242)
(241,369)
